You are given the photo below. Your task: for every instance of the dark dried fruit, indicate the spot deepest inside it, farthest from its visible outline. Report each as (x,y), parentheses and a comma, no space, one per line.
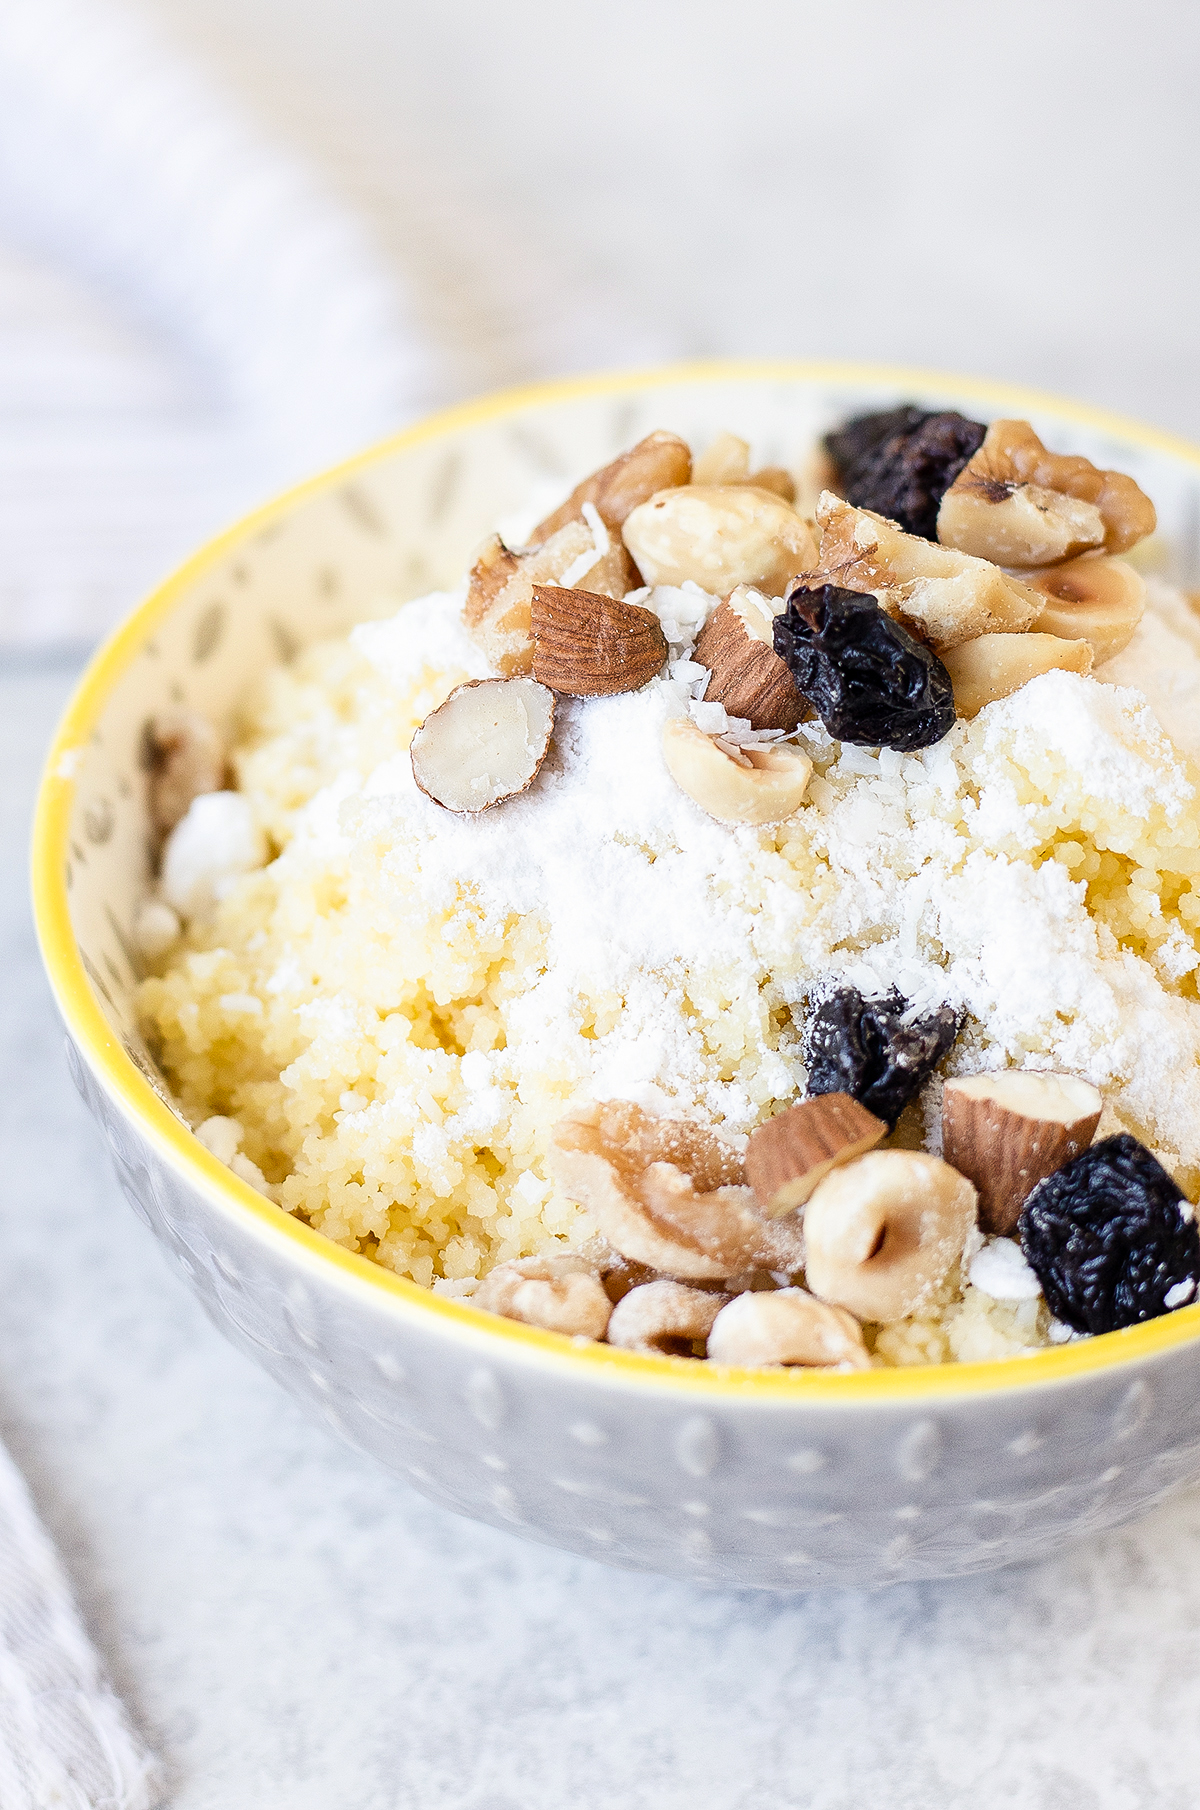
(901,463)
(865,1048)
(1109,1237)
(868,679)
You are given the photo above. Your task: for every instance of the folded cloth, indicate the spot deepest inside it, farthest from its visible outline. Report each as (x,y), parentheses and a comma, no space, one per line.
(190,317)
(65,1740)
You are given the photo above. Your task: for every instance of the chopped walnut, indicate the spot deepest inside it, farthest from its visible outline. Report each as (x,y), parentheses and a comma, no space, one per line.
(558,1293)
(186,759)
(655,463)
(944,596)
(667,1193)
(1020,504)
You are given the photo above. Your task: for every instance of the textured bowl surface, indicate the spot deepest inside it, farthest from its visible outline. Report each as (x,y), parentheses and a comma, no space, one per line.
(776,1481)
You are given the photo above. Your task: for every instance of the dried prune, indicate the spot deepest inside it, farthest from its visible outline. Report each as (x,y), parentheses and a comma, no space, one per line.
(868,679)
(1110,1238)
(871,1050)
(901,462)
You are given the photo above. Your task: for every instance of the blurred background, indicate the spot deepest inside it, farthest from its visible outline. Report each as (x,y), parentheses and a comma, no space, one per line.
(239,239)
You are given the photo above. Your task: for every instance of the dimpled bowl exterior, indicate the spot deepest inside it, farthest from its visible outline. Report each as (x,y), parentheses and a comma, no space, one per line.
(774,1481)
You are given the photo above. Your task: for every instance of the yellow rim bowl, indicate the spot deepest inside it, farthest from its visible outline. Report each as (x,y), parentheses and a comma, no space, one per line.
(121,1078)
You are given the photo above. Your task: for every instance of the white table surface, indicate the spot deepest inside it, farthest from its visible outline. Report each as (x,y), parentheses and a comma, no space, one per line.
(295,1630)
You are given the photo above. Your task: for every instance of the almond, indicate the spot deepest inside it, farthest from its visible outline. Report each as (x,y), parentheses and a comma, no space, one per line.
(484,744)
(656,463)
(753,785)
(748,676)
(1007,1131)
(788,1155)
(1097,600)
(994,666)
(500,587)
(591,646)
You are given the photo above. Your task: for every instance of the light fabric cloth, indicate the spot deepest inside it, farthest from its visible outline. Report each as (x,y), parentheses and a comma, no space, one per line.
(65,1740)
(189,320)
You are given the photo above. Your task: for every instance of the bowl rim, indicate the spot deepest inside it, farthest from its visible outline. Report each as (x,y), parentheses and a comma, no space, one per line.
(124,1082)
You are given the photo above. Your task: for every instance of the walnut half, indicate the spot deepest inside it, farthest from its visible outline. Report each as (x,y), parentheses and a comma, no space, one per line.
(1018,504)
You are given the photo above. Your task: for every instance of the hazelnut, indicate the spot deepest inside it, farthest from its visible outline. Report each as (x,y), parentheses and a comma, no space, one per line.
(720,536)
(787,1326)
(881,1233)
(756,785)
(560,1293)
(186,759)
(665,1316)
(994,666)
(1097,600)
(486,743)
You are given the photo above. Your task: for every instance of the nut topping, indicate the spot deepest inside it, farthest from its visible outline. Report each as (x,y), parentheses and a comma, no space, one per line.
(559,1293)
(748,677)
(667,1193)
(725,460)
(787,1326)
(656,463)
(186,758)
(500,588)
(1007,1131)
(881,1233)
(720,536)
(753,784)
(665,1317)
(484,744)
(590,646)
(1097,600)
(1021,505)
(994,666)
(789,1154)
(945,595)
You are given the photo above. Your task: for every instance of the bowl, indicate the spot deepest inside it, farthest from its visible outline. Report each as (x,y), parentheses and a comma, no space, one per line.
(772,1480)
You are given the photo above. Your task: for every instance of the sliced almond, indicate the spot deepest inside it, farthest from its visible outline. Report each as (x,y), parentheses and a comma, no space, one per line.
(748,676)
(994,666)
(1097,600)
(1007,1131)
(656,463)
(754,785)
(946,596)
(719,536)
(591,646)
(484,744)
(500,587)
(789,1154)
(1022,505)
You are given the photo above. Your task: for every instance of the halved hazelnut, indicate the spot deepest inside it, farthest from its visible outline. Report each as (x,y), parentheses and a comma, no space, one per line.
(787,1326)
(755,785)
(1097,600)
(881,1233)
(747,675)
(946,596)
(1007,1131)
(666,1193)
(484,744)
(774,477)
(560,1293)
(719,536)
(590,646)
(655,463)
(502,579)
(186,759)
(1021,505)
(994,666)
(665,1316)
(789,1154)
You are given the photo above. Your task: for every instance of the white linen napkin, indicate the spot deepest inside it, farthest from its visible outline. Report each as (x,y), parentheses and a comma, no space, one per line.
(65,1740)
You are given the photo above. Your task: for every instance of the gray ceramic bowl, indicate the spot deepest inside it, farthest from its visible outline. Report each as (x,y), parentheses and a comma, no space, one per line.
(778,1480)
